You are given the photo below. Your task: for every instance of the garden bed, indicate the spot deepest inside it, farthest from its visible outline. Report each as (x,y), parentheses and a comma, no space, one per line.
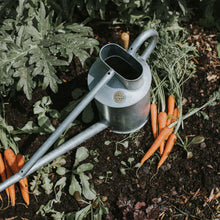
(183,188)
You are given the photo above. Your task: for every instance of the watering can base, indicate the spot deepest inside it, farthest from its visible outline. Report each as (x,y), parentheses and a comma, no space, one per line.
(129,131)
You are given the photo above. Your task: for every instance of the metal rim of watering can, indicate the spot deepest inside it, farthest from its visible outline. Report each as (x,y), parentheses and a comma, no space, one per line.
(151,33)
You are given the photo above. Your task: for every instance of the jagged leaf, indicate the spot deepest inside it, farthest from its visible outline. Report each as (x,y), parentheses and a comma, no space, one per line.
(47,184)
(25,81)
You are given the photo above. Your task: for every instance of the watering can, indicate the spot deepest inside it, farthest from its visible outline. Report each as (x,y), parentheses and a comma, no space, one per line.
(119,81)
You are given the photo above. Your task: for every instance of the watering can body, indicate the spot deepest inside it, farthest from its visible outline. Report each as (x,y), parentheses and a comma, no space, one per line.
(124,102)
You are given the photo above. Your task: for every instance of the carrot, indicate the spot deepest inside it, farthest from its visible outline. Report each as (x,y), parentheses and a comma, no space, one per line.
(24,190)
(161,137)
(162,121)
(162,147)
(125,40)
(176,114)
(169,146)
(2,172)
(153,112)
(12,187)
(10,157)
(170,108)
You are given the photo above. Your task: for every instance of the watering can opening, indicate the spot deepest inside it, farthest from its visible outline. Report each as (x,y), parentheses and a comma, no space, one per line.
(128,70)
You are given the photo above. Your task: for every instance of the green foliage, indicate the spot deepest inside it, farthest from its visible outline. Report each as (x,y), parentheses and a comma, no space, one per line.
(128,165)
(128,12)
(173,55)
(186,144)
(84,186)
(42,109)
(32,44)
(7,136)
(66,8)
(48,208)
(209,11)
(80,188)
(140,12)
(42,179)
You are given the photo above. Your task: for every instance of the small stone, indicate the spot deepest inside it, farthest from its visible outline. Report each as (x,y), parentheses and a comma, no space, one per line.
(203,145)
(104,198)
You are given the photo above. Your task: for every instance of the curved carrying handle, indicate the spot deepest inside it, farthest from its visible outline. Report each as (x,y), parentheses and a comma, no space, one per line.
(140,40)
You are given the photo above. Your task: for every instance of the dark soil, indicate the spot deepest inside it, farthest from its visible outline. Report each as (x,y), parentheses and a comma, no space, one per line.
(182,189)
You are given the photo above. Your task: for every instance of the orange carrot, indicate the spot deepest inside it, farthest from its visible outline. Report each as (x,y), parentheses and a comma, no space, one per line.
(170,108)
(10,157)
(12,187)
(2,172)
(24,191)
(125,40)
(153,112)
(169,146)
(175,115)
(162,121)
(161,137)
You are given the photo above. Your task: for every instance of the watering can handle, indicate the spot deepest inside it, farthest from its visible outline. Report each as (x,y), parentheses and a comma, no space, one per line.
(140,40)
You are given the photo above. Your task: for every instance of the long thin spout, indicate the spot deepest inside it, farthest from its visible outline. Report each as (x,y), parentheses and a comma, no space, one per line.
(67,146)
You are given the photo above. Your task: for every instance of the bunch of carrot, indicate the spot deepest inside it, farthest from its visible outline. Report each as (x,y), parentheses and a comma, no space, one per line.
(11,163)
(162,129)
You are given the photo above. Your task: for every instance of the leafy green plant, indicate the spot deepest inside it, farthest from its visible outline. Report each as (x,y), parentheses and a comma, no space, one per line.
(124,142)
(66,8)
(32,45)
(173,55)
(186,144)
(96,209)
(42,179)
(78,170)
(83,189)
(128,165)
(48,208)
(107,176)
(42,109)
(45,113)
(137,12)
(209,14)
(7,136)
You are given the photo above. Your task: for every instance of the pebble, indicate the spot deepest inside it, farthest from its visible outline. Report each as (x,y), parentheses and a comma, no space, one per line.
(203,145)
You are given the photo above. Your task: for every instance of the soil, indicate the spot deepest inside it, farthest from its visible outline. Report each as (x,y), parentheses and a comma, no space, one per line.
(182,189)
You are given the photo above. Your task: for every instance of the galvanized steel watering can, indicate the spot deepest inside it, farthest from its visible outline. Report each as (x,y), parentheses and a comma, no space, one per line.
(119,81)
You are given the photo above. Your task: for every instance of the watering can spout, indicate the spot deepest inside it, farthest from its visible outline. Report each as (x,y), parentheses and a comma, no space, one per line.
(37,160)
(64,148)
